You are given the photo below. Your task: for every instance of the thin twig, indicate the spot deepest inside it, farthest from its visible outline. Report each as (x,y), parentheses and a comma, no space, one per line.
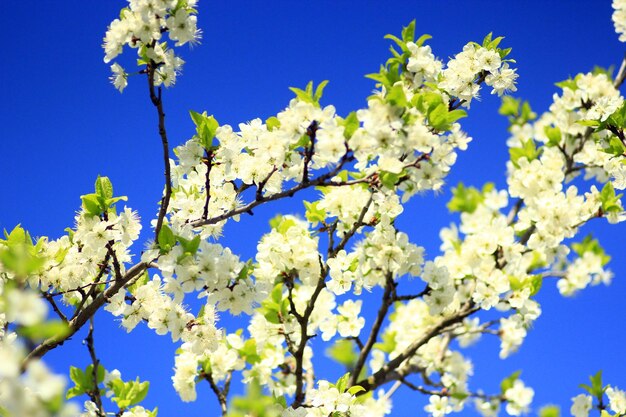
(54,306)
(380,318)
(621,74)
(85,314)
(158,103)
(319,181)
(380,377)
(207,187)
(218,393)
(95,394)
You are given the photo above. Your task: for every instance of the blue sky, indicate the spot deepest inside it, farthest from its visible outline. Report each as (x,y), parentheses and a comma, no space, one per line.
(62,124)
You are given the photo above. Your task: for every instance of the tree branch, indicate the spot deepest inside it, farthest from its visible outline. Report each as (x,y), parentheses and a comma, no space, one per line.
(54,306)
(321,180)
(621,75)
(218,393)
(85,314)
(158,103)
(380,377)
(95,394)
(380,318)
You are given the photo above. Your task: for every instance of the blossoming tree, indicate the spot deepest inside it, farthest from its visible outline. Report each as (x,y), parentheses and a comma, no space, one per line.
(307,278)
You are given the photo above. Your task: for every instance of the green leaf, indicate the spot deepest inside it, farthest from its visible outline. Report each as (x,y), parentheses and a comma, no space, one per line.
(190,246)
(466,199)
(487,39)
(528,150)
(408,32)
(550,411)
(206,128)
(83,380)
(319,91)
(249,352)
(589,244)
(45,330)
(527,113)
(271,316)
(91,204)
(510,106)
(493,45)
(307,94)
(351,124)
(535,284)
(73,392)
(459,395)
(441,119)
(104,188)
(388,343)
(302,95)
(509,381)
(281,223)
(616,147)
(109,202)
(19,255)
(588,123)
(389,179)
(396,97)
(140,282)
(596,389)
(398,42)
(355,389)
(553,134)
(342,383)
(77,376)
(610,201)
(196,117)
(423,39)
(342,351)
(129,393)
(277,293)
(518,112)
(272,123)
(569,83)
(166,238)
(313,214)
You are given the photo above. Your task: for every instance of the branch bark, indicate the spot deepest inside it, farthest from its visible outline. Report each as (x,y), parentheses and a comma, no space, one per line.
(158,103)
(85,314)
(381,376)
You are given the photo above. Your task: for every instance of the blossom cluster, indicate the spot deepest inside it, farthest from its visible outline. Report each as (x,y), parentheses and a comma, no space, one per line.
(141,26)
(619,18)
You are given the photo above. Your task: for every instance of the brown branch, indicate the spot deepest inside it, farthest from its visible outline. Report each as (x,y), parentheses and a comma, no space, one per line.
(310,150)
(103,268)
(261,185)
(54,306)
(387,301)
(158,103)
(359,222)
(380,377)
(408,297)
(510,218)
(95,394)
(207,187)
(218,392)
(319,181)
(85,314)
(456,103)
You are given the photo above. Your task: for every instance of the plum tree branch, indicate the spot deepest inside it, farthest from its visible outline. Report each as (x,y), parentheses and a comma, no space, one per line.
(77,322)
(157,101)
(387,301)
(380,377)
